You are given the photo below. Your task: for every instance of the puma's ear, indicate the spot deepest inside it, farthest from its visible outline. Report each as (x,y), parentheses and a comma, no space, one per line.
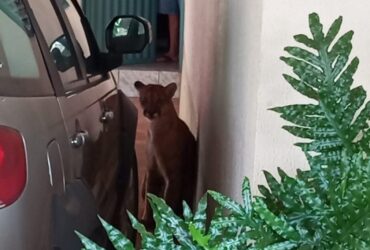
(171,89)
(139,85)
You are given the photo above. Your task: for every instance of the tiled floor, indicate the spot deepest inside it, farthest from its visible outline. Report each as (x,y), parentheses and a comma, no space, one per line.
(141,140)
(165,66)
(158,73)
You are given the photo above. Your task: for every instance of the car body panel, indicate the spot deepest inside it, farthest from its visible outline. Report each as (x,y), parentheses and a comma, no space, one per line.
(97,160)
(29,217)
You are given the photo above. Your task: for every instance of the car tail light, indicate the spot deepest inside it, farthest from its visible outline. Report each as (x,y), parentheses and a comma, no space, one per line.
(13,173)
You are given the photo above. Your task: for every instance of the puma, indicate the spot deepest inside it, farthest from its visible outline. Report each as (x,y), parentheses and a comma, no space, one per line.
(171,150)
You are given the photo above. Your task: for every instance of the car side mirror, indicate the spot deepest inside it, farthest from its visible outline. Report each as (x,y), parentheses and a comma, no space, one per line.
(128,34)
(60,50)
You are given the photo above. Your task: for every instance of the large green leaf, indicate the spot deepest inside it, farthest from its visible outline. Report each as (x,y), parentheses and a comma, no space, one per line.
(119,241)
(87,243)
(279,225)
(148,239)
(227,202)
(176,224)
(162,232)
(324,72)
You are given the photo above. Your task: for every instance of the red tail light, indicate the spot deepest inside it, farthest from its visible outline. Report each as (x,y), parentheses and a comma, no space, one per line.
(13,171)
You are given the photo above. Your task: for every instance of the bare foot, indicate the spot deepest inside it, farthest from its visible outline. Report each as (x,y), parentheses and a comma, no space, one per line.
(167,58)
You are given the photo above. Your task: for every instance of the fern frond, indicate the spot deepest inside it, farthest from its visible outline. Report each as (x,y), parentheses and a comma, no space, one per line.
(324,73)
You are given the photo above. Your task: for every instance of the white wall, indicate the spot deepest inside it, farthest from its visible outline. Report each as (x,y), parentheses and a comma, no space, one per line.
(232,75)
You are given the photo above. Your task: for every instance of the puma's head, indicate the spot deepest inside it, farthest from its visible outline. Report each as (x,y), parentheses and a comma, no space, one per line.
(155,98)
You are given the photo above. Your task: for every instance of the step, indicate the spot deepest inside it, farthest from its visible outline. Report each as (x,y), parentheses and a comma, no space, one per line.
(157,73)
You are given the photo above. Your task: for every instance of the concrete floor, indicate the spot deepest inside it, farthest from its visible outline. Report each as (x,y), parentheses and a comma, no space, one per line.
(141,141)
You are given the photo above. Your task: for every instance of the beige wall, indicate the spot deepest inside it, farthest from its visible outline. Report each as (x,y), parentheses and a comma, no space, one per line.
(232,75)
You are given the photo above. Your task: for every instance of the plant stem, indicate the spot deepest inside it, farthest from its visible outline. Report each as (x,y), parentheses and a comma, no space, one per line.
(328,72)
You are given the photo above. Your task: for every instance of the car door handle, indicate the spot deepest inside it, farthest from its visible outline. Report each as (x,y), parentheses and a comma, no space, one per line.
(79,139)
(107,116)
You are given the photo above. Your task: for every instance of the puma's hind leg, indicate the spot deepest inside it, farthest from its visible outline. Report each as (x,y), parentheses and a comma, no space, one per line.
(172,192)
(153,185)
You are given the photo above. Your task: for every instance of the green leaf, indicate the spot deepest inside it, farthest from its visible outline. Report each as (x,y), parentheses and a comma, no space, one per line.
(346,79)
(161,232)
(198,236)
(333,30)
(300,132)
(177,226)
(214,230)
(227,202)
(229,222)
(321,145)
(308,74)
(237,242)
(188,215)
(356,98)
(306,41)
(119,241)
(87,243)
(301,87)
(200,217)
(286,245)
(316,27)
(303,54)
(342,47)
(282,174)
(272,183)
(247,197)
(305,115)
(148,240)
(361,122)
(279,225)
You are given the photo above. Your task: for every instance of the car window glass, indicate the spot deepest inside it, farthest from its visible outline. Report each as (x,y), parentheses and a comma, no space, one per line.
(74,18)
(59,43)
(18,58)
(78,30)
(22,71)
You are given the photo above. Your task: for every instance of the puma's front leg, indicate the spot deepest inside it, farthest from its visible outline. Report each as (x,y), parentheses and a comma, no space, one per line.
(172,190)
(149,186)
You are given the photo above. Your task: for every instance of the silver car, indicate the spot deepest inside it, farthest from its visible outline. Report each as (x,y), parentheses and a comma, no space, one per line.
(66,133)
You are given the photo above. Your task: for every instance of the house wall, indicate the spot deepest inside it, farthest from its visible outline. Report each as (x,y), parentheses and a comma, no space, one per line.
(232,73)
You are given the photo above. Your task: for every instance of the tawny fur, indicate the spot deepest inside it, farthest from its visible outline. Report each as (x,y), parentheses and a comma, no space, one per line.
(171,149)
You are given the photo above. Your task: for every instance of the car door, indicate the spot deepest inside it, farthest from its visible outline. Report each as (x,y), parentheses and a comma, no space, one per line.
(90,106)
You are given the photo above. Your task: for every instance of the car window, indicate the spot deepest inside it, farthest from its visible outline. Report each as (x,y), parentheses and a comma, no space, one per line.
(79,32)
(22,71)
(59,43)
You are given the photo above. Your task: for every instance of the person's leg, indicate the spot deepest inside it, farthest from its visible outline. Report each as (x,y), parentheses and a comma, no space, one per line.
(171,9)
(173,23)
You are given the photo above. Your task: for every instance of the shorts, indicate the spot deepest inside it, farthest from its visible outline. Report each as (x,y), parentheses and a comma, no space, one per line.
(169,7)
